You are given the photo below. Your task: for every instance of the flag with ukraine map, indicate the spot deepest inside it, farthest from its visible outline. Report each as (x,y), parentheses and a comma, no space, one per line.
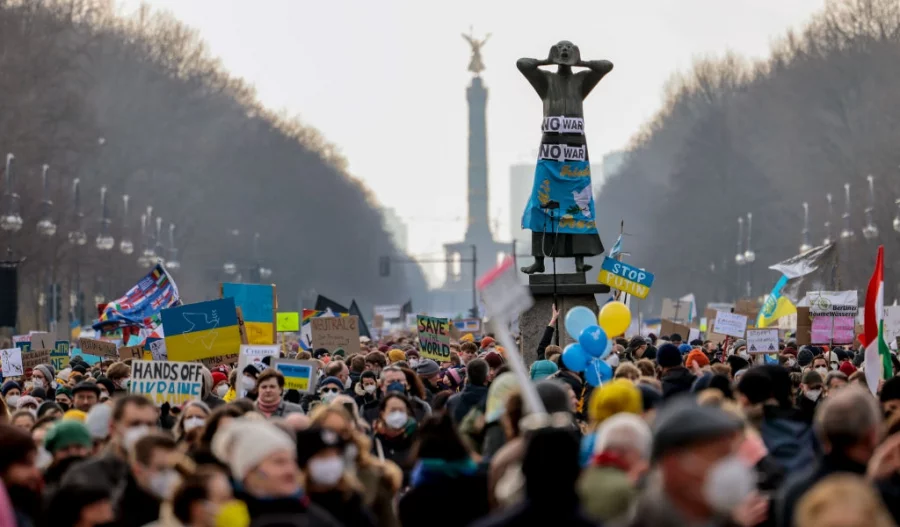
(202,330)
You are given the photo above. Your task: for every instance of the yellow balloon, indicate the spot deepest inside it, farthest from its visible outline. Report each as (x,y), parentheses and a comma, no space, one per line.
(614,318)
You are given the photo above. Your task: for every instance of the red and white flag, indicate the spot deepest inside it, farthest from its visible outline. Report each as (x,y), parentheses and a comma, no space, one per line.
(878,364)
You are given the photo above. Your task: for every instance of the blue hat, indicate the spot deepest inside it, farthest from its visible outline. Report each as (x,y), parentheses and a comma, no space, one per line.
(542,369)
(685,348)
(331,380)
(668,356)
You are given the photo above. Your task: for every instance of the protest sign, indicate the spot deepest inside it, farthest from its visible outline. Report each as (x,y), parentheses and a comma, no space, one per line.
(167,381)
(434,338)
(411,319)
(468,325)
(624,277)
(762,340)
(212,362)
(98,348)
(821,330)
(502,293)
(693,334)
(378,322)
(34,358)
(843,330)
(298,374)
(41,341)
(833,303)
(289,321)
(59,355)
(157,348)
(389,312)
(11,362)
(675,310)
(891,323)
(249,354)
(332,333)
(131,352)
(668,327)
(730,324)
(201,330)
(257,303)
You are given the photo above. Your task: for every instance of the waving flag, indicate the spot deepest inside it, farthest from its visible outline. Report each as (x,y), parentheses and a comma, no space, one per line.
(809,271)
(142,303)
(878,355)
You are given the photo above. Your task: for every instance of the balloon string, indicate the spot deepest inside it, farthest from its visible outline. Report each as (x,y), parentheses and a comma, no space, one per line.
(597,371)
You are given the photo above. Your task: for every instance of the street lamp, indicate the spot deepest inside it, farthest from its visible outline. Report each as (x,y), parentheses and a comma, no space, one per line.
(847,232)
(897,217)
(739,257)
(11,221)
(805,246)
(78,236)
(45,226)
(749,255)
(828,238)
(105,241)
(125,245)
(173,262)
(158,248)
(147,257)
(870,231)
(229,267)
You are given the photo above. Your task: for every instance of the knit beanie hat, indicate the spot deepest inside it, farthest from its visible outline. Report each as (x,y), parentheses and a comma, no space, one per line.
(332,380)
(542,369)
(685,348)
(847,368)
(97,421)
(696,356)
(396,355)
(650,396)
(668,356)
(252,442)
(67,433)
(9,385)
(486,342)
(46,406)
(64,390)
(468,337)
(46,371)
(75,415)
(616,396)
(218,377)
(26,400)
(493,359)
(427,367)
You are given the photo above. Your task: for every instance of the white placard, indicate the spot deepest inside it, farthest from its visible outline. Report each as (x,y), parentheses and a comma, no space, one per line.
(833,303)
(391,312)
(249,354)
(158,350)
(730,324)
(11,361)
(891,324)
(762,340)
(167,381)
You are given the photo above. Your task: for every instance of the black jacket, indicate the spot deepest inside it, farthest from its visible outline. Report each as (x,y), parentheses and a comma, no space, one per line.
(525,515)
(469,497)
(461,403)
(796,486)
(286,512)
(677,380)
(106,470)
(348,509)
(135,507)
(546,339)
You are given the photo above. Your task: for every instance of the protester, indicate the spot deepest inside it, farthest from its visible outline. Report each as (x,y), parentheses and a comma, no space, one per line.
(19,474)
(675,378)
(199,499)
(191,421)
(270,389)
(395,430)
(85,396)
(474,392)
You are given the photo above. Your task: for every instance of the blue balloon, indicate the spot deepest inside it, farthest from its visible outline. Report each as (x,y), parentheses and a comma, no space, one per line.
(593,340)
(609,345)
(575,358)
(579,318)
(597,373)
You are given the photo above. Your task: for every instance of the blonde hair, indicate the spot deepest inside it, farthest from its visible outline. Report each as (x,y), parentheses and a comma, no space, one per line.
(628,371)
(859,506)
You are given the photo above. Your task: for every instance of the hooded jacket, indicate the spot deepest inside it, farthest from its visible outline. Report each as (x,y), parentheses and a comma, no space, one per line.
(461,403)
(677,380)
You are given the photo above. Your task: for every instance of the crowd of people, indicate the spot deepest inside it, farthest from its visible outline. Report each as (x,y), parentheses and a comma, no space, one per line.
(686,434)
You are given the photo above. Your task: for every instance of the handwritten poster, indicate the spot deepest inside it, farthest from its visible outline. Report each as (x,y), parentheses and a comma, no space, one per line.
(434,338)
(167,382)
(332,333)
(730,324)
(11,362)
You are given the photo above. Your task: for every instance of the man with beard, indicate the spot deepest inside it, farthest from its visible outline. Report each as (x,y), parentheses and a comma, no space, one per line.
(431,376)
(20,475)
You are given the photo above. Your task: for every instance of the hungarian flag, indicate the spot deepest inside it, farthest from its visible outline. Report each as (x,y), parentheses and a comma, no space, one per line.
(878,356)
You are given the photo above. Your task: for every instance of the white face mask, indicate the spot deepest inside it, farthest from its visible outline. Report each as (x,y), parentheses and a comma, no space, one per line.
(131,436)
(790,363)
(728,483)
(326,471)
(12,400)
(347,383)
(44,458)
(162,483)
(822,371)
(413,363)
(327,397)
(193,422)
(744,354)
(248,383)
(396,419)
(37,383)
(369,388)
(221,390)
(813,395)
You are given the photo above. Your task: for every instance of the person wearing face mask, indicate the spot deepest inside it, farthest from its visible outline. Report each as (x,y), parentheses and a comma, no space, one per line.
(230,390)
(11,391)
(366,390)
(151,480)
(191,421)
(119,374)
(320,455)
(395,430)
(432,377)
(329,388)
(206,389)
(739,348)
(246,385)
(64,397)
(339,369)
(848,426)
(811,394)
(697,477)
(201,496)
(42,376)
(220,384)
(263,463)
(396,379)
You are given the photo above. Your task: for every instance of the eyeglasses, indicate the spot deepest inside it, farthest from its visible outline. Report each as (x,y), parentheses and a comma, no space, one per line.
(330,390)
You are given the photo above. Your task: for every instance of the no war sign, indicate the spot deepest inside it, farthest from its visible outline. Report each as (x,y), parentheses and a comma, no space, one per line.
(624,277)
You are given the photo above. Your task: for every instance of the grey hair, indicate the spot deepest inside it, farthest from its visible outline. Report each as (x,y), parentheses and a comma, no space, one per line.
(387,369)
(624,431)
(834,374)
(847,417)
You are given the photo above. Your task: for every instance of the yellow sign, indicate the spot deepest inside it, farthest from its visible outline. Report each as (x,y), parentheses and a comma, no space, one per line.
(288,321)
(617,282)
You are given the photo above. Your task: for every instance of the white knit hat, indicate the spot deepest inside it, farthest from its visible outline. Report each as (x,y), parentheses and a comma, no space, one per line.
(253,441)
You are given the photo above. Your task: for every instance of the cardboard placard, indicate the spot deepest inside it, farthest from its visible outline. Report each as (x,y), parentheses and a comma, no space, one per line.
(131,352)
(843,330)
(41,341)
(258,304)
(98,348)
(762,340)
(821,330)
(378,321)
(668,327)
(332,333)
(167,381)
(298,374)
(157,349)
(747,307)
(11,362)
(389,312)
(35,357)
(731,324)
(434,338)
(804,327)
(59,355)
(212,362)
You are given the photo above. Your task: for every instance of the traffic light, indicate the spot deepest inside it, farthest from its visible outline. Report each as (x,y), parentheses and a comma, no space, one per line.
(384,266)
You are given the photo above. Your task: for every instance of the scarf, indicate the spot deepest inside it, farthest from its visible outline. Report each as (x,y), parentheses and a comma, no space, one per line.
(267,409)
(609,459)
(433,469)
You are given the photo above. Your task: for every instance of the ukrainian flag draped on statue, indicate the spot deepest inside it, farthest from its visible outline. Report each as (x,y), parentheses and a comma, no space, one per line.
(569,184)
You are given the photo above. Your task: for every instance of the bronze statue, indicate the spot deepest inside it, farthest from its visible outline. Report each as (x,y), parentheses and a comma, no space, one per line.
(560,212)
(476,66)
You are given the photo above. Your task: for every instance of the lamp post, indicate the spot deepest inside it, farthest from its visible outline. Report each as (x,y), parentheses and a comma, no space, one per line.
(847,232)
(46,226)
(158,249)
(105,241)
(173,262)
(10,221)
(897,217)
(870,231)
(148,256)
(125,245)
(77,238)
(749,255)
(739,256)
(229,267)
(804,245)
(828,239)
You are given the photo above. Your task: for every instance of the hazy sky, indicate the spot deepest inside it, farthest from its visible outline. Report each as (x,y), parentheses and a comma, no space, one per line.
(385,80)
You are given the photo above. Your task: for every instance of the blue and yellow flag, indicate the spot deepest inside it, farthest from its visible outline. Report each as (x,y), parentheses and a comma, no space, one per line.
(257,303)
(775,306)
(202,330)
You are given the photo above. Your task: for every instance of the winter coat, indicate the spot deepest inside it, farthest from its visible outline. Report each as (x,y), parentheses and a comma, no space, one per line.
(677,380)
(785,501)
(468,494)
(526,514)
(396,449)
(379,490)
(285,408)
(286,512)
(653,509)
(461,403)
(788,437)
(346,507)
(213,401)
(135,507)
(106,470)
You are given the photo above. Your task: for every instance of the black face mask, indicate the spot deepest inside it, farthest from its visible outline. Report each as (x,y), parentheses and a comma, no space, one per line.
(64,406)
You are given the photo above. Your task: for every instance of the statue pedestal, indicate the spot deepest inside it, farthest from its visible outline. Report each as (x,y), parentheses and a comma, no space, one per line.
(571,290)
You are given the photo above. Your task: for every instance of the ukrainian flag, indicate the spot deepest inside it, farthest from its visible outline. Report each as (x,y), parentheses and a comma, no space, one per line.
(257,303)
(775,306)
(202,330)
